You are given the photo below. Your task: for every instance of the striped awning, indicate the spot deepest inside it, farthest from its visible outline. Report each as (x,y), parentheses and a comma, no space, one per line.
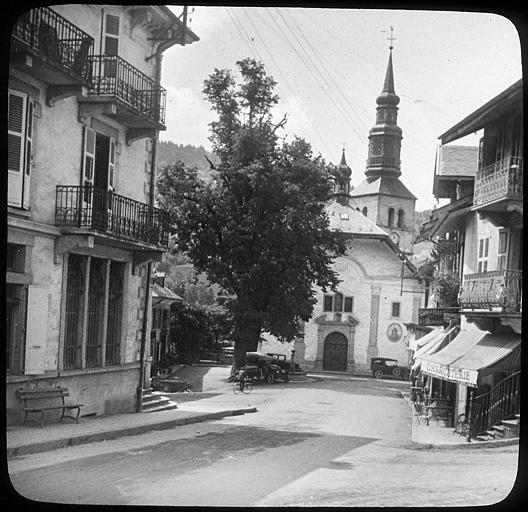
(433,345)
(471,351)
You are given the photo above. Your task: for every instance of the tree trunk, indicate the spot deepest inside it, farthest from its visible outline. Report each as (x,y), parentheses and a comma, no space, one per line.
(246,340)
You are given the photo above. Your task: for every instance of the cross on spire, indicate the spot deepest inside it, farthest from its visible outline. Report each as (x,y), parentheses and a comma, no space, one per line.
(391,38)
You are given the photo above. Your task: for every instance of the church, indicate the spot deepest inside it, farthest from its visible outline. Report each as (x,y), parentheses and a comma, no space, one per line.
(379,289)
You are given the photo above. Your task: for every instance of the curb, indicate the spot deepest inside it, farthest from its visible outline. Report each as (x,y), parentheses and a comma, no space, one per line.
(114,434)
(473,445)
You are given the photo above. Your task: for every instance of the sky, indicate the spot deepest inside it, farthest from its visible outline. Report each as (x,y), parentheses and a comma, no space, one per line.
(330,64)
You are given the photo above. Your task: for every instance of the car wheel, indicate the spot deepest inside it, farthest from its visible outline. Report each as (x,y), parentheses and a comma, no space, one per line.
(396,372)
(406,375)
(378,374)
(271,378)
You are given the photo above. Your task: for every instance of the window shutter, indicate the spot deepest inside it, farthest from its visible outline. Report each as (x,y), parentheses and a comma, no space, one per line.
(112,34)
(88,164)
(15,147)
(36,330)
(111,164)
(29,154)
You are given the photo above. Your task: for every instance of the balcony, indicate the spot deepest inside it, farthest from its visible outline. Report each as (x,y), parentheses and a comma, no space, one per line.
(50,48)
(126,95)
(92,210)
(498,289)
(499,190)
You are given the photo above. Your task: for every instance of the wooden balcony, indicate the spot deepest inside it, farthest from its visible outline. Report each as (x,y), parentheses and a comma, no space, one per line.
(500,289)
(499,190)
(92,210)
(127,95)
(52,49)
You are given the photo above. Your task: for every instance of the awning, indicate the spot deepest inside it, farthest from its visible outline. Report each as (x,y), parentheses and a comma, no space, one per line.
(420,342)
(471,351)
(434,344)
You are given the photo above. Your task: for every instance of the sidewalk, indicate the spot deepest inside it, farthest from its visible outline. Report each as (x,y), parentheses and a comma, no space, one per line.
(30,438)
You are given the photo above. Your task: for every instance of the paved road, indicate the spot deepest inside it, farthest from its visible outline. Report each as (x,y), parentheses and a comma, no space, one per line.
(328,443)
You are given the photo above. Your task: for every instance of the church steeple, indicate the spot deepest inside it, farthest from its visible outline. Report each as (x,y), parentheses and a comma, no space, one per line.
(342,185)
(385,137)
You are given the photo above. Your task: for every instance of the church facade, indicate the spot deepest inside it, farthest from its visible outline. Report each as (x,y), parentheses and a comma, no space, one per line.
(379,289)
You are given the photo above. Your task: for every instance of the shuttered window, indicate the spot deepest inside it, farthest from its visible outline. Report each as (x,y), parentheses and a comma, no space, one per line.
(19,148)
(111,43)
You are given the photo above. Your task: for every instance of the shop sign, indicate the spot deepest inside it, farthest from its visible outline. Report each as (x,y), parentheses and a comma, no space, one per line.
(453,373)
(431,316)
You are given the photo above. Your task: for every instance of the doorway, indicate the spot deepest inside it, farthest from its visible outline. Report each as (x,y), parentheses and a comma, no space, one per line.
(335,352)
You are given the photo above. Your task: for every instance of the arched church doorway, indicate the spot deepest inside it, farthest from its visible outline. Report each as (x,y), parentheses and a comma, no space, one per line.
(335,352)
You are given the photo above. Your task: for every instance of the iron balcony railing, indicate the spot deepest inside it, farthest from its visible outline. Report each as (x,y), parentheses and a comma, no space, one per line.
(501,180)
(113,76)
(100,210)
(499,288)
(54,38)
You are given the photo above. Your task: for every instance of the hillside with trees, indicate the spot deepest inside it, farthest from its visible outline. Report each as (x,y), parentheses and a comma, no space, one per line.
(169,153)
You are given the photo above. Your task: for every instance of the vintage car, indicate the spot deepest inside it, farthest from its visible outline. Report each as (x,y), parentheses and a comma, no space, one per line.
(266,368)
(387,367)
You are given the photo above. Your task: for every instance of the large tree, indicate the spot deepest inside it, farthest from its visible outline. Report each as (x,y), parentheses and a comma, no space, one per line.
(258,229)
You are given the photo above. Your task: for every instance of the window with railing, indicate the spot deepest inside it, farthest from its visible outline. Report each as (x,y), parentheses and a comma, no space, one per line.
(113,76)
(96,209)
(56,39)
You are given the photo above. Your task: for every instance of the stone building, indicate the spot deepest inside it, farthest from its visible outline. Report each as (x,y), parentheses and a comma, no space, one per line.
(378,293)
(85,108)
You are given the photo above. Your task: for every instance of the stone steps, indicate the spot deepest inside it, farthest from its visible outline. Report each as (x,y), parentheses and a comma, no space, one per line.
(506,429)
(153,402)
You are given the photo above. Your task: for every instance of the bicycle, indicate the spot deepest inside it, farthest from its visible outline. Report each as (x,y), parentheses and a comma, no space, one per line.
(246,388)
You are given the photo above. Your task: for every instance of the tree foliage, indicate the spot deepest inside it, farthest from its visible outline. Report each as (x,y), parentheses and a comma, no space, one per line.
(258,229)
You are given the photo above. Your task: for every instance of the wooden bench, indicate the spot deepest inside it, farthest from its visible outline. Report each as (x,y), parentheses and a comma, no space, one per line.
(42,400)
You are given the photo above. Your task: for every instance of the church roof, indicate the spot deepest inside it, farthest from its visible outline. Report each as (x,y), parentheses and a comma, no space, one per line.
(385,185)
(348,220)
(343,167)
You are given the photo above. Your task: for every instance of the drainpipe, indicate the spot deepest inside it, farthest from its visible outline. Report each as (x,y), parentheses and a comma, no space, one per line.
(154,140)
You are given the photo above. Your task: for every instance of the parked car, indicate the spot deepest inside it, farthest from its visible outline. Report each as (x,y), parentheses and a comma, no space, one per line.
(266,368)
(385,366)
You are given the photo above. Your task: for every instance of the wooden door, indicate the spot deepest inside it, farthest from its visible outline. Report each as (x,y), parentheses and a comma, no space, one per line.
(335,352)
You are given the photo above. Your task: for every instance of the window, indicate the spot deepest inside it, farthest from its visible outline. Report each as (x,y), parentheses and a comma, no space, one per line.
(19,148)
(396,309)
(365,211)
(100,283)
(483,253)
(401,218)
(502,261)
(15,256)
(391,217)
(338,303)
(15,305)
